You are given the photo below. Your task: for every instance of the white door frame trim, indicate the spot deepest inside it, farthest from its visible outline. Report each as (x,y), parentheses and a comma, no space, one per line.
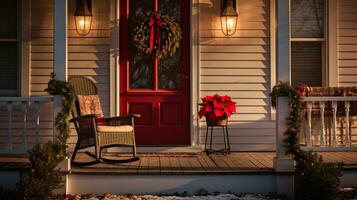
(114,76)
(195,72)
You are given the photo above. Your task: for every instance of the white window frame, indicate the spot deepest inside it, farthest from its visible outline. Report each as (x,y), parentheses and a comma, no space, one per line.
(23,55)
(332,53)
(24,47)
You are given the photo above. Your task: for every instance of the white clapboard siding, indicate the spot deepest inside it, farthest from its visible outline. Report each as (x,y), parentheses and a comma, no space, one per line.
(239,66)
(87,56)
(347,43)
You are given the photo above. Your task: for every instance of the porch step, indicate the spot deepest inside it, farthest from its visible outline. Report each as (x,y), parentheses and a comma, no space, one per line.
(169,184)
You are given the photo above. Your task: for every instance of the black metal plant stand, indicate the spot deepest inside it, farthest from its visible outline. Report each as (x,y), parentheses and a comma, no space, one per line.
(227,147)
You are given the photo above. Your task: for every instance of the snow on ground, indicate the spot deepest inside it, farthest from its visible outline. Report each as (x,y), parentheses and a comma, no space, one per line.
(349,193)
(208,197)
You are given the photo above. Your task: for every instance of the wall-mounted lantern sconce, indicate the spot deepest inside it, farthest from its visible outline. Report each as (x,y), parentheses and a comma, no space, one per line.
(229,17)
(83,16)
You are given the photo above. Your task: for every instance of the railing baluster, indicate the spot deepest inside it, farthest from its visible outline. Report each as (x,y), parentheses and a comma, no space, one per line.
(334,123)
(337,135)
(24,131)
(37,130)
(322,116)
(9,130)
(347,136)
(23,104)
(309,110)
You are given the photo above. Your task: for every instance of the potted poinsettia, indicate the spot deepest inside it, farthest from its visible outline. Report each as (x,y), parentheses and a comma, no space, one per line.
(303,90)
(217,109)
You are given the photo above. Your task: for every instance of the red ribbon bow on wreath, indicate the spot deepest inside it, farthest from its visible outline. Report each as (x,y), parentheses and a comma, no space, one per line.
(155,23)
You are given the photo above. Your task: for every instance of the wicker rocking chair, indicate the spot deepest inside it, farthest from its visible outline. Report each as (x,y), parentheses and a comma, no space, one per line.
(99,133)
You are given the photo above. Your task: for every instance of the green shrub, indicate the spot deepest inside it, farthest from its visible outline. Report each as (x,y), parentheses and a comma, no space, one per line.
(43,178)
(315,179)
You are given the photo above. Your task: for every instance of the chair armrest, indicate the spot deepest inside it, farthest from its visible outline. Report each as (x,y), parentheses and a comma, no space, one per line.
(135,115)
(89,116)
(124,117)
(122,120)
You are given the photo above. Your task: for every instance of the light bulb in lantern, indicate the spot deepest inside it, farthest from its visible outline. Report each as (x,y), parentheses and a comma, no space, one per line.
(230,24)
(82,24)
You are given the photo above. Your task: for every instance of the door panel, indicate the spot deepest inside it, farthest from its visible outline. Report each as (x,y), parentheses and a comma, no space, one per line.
(158,89)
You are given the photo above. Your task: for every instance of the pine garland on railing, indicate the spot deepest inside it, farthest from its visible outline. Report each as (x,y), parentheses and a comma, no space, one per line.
(294,119)
(65,90)
(314,179)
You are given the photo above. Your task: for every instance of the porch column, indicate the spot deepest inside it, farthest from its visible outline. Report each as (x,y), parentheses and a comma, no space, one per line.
(60,68)
(283,75)
(282,163)
(59,51)
(60,39)
(283,41)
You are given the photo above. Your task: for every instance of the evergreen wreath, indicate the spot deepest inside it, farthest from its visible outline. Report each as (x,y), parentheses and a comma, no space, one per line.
(314,179)
(157,35)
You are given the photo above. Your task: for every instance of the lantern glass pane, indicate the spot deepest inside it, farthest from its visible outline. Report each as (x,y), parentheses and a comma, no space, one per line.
(83,24)
(141,67)
(170,68)
(228,24)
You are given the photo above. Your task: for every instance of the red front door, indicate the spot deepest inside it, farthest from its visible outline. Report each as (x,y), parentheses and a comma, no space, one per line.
(158,89)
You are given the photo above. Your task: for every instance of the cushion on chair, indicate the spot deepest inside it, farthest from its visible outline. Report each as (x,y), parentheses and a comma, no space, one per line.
(115,129)
(90,104)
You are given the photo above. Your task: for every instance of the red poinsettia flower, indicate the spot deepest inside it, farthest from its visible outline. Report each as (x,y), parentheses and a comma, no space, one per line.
(217,107)
(303,90)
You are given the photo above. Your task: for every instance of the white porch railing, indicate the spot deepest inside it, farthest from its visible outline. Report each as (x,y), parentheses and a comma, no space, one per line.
(327,122)
(17,112)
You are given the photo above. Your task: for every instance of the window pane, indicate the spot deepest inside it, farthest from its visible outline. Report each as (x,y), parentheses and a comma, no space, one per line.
(170,68)
(306,63)
(170,72)
(8,65)
(141,66)
(8,19)
(307,18)
(171,8)
(141,71)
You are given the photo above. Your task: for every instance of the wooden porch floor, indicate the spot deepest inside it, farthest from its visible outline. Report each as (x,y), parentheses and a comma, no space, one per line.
(185,163)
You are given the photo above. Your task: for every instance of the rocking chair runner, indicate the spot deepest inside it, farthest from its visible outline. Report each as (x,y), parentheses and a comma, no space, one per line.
(99,133)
